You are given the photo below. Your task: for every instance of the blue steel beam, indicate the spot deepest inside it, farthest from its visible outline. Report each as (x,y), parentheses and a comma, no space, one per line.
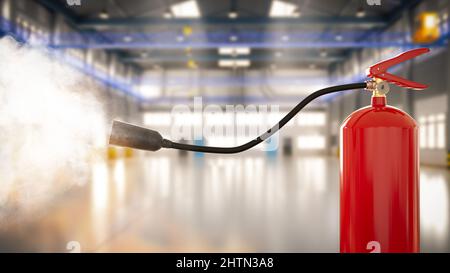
(352,21)
(255,45)
(242,35)
(215,58)
(233,81)
(248,38)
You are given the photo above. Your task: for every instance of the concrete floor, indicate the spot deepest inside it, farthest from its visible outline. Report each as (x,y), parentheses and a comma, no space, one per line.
(166,203)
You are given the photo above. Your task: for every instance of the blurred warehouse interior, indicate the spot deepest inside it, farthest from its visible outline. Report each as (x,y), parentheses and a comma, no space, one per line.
(141,58)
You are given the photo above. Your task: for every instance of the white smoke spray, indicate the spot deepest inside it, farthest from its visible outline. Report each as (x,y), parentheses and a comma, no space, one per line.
(49,125)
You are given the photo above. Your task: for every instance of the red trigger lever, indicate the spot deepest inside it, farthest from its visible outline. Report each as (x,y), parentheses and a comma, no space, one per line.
(378,70)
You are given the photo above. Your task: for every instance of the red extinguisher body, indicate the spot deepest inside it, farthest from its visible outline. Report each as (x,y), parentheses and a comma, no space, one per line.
(379,190)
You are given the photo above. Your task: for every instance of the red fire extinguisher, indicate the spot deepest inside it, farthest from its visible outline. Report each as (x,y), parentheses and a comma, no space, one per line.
(379,163)
(380,170)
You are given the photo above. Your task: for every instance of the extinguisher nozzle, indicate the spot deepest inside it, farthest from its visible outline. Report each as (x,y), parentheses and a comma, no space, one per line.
(132,136)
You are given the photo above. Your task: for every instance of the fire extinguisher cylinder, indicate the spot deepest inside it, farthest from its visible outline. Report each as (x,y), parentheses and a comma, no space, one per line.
(379,199)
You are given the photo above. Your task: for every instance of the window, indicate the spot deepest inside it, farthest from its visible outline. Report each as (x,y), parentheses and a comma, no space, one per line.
(219,119)
(187,119)
(150,91)
(311,142)
(311,119)
(440,126)
(220,141)
(250,119)
(433,131)
(423,132)
(274,118)
(157,119)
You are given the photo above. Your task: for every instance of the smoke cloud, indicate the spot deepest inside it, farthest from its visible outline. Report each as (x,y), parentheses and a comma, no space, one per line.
(50,125)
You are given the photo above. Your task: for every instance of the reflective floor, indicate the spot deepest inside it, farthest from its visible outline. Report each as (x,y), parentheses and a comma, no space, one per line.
(171,203)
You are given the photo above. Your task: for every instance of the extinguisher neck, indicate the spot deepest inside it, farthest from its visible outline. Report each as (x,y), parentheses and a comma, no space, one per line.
(379,101)
(379,89)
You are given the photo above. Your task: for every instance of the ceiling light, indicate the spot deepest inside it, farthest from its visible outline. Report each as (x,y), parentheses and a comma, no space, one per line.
(360,13)
(234,51)
(233,38)
(103,14)
(338,37)
(127,39)
(226,50)
(232,14)
(234,63)
(226,63)
(149,91)
(242,50)
(431,20)
(242,63)
(285,38)
(283,9)
(186,9)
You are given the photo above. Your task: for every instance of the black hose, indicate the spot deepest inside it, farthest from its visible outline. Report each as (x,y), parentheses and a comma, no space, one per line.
(231,150)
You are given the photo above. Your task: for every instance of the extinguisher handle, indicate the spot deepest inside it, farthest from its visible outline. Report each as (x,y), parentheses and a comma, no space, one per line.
(402,82)
(379,70)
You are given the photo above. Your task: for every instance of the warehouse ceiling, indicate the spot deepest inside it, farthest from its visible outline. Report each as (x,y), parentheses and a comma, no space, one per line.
(141,33)
(217,8)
